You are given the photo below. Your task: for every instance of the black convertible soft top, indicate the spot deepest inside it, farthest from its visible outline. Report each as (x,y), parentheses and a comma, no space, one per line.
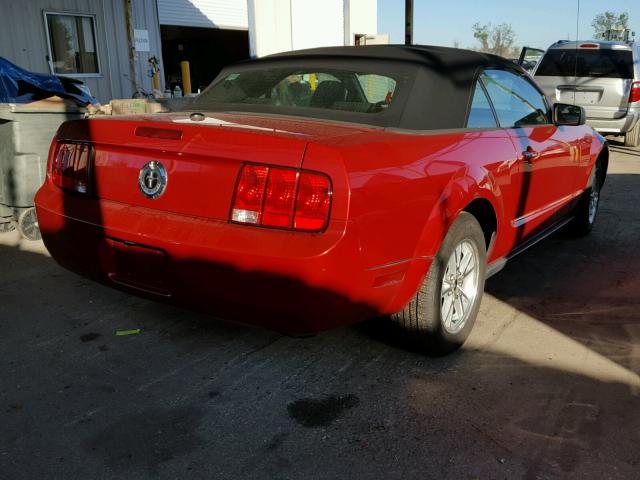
(435,84)
(443,57)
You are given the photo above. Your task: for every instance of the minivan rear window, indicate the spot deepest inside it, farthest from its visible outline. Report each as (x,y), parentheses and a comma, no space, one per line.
(586,63)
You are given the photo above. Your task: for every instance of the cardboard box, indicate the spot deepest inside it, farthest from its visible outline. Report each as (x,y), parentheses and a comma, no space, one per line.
(135,106)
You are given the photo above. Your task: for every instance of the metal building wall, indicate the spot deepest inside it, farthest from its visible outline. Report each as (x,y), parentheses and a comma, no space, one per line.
(363,18)
(283,25)
(269,27)
(145,17)
(115,62)
(23,39)
(318,24)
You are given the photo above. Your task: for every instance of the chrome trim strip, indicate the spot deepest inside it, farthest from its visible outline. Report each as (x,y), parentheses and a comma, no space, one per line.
(518,222)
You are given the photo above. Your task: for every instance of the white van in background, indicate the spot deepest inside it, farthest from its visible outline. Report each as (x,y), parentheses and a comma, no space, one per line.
(601,76)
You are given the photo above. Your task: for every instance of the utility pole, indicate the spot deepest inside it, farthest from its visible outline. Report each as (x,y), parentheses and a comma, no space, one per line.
(408,22)
(128,15)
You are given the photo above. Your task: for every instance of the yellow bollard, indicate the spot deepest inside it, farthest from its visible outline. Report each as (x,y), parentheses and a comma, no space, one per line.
(156,81)
(186,78)
(313,81)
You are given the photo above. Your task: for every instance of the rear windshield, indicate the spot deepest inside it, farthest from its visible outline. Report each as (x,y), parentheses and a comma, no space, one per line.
(295,88)
(587,63)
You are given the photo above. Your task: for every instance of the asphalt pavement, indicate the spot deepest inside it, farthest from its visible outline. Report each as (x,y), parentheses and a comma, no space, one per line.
(546,387)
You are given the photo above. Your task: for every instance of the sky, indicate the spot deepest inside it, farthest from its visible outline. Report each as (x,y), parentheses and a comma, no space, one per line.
(537,24)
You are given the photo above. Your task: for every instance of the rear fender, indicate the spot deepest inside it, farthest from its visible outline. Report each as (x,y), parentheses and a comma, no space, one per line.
(466,185)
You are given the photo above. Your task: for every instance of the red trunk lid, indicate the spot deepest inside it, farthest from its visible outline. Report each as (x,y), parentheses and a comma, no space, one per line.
(202,158)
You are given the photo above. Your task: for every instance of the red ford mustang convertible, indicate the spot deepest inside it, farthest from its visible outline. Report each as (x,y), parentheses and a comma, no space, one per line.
(311,189)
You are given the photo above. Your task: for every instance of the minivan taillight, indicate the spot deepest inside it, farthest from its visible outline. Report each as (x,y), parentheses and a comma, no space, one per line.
(635,92)
(70,166)
(281,197)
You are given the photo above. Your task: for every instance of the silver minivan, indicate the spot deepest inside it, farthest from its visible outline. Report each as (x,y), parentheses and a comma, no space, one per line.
(601,76)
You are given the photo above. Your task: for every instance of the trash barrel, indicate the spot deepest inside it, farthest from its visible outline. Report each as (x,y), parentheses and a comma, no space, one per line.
(26,131)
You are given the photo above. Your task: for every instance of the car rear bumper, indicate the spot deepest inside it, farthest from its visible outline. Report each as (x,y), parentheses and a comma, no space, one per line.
(288,281)
(616,126)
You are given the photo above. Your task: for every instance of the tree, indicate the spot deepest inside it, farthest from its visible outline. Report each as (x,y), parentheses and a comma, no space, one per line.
(608,20)
(497,39)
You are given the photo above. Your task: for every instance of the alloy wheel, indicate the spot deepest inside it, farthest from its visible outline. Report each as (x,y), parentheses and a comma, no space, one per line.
(459,289)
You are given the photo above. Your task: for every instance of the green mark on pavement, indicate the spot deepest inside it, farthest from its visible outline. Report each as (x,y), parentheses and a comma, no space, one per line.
(124,333)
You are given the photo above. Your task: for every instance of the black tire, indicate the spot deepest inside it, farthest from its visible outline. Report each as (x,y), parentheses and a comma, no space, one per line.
(632,137)
(421,321)
(584,220)
(28,225)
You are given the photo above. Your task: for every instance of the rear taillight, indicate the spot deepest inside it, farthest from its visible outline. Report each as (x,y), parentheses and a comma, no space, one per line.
(313,202)
(635,92)
(70,166)
(280,197)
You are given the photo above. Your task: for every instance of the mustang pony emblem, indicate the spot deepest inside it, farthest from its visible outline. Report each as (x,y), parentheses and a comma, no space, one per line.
(152,179)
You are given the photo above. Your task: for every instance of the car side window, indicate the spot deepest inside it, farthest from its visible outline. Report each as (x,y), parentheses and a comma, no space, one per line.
(480,113)
(516,101)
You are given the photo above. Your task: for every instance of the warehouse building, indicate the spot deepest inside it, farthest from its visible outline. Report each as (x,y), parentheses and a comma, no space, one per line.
(109,43)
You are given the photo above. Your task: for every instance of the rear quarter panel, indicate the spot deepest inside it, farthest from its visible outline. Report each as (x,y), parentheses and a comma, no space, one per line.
(405,190)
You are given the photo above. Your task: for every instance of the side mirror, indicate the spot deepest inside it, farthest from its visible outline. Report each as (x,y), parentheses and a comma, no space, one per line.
(565,114)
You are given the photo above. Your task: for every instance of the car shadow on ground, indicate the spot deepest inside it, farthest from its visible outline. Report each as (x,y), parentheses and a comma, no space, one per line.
(191,395)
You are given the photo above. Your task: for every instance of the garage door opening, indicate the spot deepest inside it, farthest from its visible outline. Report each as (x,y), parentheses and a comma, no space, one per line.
(207,50)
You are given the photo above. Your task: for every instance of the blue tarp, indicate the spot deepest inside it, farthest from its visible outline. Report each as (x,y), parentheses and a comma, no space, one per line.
(20,86)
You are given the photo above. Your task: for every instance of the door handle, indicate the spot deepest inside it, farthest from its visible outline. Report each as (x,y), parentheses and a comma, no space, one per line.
(529,155)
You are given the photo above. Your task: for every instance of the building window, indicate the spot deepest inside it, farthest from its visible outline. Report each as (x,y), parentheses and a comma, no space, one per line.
(72,44)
